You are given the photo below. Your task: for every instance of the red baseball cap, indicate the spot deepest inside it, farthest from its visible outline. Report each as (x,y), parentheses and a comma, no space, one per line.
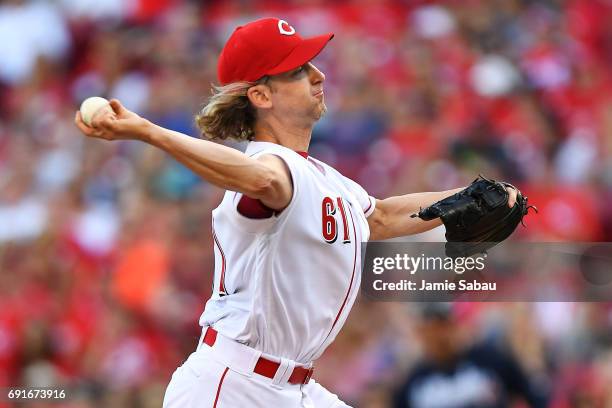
(266,47)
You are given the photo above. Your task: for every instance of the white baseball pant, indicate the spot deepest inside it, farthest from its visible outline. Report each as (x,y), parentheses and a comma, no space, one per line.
(214,377)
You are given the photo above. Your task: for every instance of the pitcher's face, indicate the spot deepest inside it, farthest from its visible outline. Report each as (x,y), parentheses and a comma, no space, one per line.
(299,92)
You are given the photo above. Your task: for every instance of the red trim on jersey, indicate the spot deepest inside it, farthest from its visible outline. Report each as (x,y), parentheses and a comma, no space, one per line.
(219,387)
(254,208)
(222,290)
(303,154)
(352,276)
(369,206)
(317,165)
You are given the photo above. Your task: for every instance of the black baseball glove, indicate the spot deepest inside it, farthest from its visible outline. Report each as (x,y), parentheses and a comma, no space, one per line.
(478,217)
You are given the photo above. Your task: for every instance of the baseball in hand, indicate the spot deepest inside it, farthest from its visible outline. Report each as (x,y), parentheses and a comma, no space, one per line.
(91,106)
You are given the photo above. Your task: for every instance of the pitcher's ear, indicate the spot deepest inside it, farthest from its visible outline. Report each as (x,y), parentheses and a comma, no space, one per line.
(260,96)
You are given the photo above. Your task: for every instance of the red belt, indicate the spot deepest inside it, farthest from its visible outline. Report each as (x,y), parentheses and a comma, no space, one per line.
(265,367)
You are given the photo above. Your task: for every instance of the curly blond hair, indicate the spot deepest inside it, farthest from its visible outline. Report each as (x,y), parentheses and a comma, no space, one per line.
(229,114)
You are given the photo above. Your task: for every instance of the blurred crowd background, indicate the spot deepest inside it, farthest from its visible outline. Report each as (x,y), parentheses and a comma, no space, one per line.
(106,255)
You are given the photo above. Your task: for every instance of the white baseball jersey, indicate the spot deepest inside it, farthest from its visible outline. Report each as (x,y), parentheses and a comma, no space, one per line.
(285,284)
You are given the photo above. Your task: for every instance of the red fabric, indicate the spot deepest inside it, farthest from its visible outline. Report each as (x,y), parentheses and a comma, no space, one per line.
(266,47)
(222,290)
(253,208)
(219,387)
(210,337)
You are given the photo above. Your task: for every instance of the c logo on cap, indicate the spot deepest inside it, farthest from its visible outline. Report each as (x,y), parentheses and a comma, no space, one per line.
(283,30)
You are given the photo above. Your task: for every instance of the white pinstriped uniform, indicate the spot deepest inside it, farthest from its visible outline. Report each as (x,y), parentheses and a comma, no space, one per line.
(284,285)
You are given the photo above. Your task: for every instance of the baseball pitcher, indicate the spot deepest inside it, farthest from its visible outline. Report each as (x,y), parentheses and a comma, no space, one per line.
(288,232)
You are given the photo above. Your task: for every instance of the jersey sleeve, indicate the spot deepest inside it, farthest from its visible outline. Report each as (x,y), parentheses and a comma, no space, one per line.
(367,202)
(251,215)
